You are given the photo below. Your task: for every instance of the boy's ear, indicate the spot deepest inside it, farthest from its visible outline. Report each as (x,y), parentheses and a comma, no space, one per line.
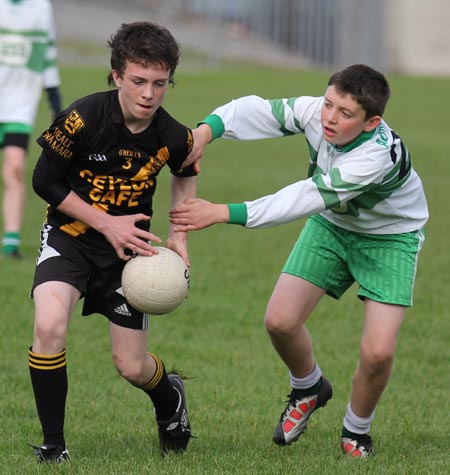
(116,77)
(372,123)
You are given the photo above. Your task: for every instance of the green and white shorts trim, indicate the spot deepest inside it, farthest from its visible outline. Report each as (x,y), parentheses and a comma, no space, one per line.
(8,128)
(384,265)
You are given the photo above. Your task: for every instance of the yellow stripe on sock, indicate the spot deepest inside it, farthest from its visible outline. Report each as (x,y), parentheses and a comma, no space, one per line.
(157,376)
(48,368)
(46,362)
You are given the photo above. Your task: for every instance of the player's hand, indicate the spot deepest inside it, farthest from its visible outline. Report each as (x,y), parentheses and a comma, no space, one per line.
(195,213)
(178,244)
(202,136)
(127,239)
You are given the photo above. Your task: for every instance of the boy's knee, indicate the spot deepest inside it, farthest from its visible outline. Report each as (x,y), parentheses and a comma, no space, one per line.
(49,337)
(276,324)
(130,370)
(378,358)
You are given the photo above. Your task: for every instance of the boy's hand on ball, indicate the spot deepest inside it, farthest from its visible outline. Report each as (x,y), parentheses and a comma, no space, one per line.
(180,247)
(127,239)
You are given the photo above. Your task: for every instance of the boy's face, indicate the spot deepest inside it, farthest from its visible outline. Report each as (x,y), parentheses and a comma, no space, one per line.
(141,91)
(343,119)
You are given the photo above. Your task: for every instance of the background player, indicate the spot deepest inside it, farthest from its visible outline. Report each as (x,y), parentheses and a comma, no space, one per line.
(27,65)
(366,208)
(98,172)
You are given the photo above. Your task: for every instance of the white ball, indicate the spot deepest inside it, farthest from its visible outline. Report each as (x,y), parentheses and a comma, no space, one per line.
(156,284)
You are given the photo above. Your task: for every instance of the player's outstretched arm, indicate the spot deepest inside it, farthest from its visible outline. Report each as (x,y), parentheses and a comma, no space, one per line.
(202,136)
(196,213)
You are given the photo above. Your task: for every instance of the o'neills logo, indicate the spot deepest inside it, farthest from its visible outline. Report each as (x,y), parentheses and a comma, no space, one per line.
(73,123)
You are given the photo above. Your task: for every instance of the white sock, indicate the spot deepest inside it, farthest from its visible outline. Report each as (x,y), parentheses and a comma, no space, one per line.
(356,424)
(310,380)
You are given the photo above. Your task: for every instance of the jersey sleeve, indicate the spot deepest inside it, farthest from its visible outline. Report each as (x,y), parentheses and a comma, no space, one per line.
(50,180)
(292,202)
(321,192)
(180,147)
(253,118)
(59,145)
(60,142)
(51,77)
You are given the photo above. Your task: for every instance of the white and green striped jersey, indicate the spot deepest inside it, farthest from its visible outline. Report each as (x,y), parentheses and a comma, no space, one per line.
(27,57)
(367,186)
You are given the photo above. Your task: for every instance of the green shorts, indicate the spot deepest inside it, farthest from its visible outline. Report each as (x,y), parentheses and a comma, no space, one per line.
(12,133)
(384,265)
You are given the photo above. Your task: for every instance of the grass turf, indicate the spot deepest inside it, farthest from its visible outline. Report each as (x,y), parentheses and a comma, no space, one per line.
(238,386)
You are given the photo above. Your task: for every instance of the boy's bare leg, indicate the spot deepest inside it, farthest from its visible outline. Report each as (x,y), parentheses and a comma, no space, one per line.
(382,325)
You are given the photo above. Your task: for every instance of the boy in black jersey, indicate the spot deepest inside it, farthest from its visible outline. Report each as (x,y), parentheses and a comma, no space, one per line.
(98,172)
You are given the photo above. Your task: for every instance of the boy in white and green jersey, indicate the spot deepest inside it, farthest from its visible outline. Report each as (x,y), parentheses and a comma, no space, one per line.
(366,208)
(27,65)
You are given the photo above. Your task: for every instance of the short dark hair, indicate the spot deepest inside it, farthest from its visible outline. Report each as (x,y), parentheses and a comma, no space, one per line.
(143,43)
(368,87)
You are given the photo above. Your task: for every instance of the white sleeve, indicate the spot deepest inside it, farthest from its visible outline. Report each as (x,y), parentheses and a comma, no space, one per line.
(252,117)
(318,193)
(293,202)
(51,77)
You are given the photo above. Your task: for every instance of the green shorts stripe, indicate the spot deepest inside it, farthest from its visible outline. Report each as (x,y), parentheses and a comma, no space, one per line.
(13,128)
(383,265)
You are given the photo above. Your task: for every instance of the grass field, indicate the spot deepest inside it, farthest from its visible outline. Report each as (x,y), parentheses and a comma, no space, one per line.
(238,386)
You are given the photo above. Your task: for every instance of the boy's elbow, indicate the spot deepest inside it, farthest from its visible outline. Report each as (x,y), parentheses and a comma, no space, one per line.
(37,184)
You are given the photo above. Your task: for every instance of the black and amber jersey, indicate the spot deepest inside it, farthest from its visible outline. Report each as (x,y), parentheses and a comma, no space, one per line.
(89,150)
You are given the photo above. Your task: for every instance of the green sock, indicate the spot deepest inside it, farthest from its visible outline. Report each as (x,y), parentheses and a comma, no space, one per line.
(10,242)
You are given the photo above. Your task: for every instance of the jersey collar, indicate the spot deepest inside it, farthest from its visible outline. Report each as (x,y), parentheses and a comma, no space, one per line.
(362,137)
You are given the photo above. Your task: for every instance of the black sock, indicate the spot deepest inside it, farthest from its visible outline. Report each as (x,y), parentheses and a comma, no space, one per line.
(351,435)
(164,397)
(49,379)
(301,393)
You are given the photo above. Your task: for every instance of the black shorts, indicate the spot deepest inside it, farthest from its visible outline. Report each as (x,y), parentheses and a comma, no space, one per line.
(17,140)
(95,272)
